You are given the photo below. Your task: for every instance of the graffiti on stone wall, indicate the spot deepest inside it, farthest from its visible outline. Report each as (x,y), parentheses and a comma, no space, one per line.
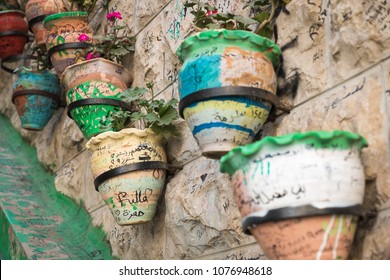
(378,13)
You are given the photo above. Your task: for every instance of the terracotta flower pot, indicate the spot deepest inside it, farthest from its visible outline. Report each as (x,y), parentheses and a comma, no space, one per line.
(129,170)
(36,11)
(36,95)
(227,86)
(300,194)
(92,88)
(63,31)
(13,33)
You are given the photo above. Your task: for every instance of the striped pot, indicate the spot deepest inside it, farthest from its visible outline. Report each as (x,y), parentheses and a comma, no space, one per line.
(129,168)
(92,93)
(300,194)
(36,95)
(227,85)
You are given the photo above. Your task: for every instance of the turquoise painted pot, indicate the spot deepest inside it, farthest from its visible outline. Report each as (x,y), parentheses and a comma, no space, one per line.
(227,85)
(36,96)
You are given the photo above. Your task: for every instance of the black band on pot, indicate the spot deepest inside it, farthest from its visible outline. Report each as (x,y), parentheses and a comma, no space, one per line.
(129,168)
(98,101)
(236,91)
(15,58)
(298,212)
(14,32)
(36,92)
(65,46)
(35,20)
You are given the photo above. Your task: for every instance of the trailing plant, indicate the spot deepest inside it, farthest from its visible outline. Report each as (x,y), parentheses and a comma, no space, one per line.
(85,5)
(115,42)
(264,13)
(153,113)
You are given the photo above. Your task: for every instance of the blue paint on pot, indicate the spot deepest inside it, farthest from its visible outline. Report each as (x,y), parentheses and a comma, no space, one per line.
(211,125)
(244,100)
(201,73)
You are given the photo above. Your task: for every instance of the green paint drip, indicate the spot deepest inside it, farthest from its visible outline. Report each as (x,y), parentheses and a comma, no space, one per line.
(339,140)
(221,38)
(52,226)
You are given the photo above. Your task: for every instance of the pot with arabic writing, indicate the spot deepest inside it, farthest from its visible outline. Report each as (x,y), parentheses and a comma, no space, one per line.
(227,86)
(300,195)
(13,33)
(62,43)
(129,168)
(36,95)
(92,91)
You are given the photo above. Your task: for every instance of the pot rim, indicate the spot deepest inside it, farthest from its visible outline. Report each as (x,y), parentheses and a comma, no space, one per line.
(100,59)
(12,11)
(320,138)
(116,135)
(52,17)
(265,45)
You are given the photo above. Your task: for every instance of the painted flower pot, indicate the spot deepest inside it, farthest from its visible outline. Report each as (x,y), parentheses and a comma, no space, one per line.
(63,30)
(36,95)
(36,11)
(227,86)
(93,88)
(129,168)
(13,33)
(300,194)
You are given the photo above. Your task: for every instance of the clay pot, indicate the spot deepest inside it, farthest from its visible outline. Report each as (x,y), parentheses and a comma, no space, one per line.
(92,93)
(129,170)
(13,33)
(36,11)
(227,86)
(63,31)
(300,194)
(36,95)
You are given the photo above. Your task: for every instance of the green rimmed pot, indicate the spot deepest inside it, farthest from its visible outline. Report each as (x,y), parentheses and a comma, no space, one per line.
(129,168)
(227,86)
(62,43)
(92,93)
(300,195)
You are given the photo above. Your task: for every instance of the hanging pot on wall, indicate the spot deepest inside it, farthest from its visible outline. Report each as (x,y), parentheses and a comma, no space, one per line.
(227,86)
(92,93)
(62,43)
(36,95)
(13,33)
(36,11)
(300,195)
(129,168)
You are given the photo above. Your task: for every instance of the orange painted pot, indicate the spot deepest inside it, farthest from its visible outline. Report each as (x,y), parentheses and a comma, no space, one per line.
(63,31)
(36,11)
(13,33)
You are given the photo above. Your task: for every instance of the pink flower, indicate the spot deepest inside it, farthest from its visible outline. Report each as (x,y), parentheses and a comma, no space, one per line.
(114,15)
(91,56)
(83,37)
(209,13)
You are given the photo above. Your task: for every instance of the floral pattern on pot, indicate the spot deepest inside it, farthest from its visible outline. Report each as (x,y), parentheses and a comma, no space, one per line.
(223,59)
(63,28)
(295,176)
(132,197)
(36,96)
(13,33)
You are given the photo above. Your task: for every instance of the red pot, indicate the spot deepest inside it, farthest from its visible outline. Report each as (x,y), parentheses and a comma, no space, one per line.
(13,33)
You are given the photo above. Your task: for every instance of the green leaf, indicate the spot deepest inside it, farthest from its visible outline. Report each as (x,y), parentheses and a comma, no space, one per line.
(167,130)
(168,116)
(151,117)
(261,16)
(119,51)
(132,94)
(266,31)
(243,20)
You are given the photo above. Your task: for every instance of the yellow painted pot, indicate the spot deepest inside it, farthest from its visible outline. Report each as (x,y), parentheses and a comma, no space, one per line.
(129,168)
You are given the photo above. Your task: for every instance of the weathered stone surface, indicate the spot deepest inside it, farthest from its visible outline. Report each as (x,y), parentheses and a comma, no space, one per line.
(307,23)
(247,252)
(360,35)
(145,11)
(202,217)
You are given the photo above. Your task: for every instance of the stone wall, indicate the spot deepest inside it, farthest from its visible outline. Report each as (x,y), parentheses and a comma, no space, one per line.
(342,56)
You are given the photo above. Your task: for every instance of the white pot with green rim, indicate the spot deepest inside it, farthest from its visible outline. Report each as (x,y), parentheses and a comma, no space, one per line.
(288,185)
(129,168)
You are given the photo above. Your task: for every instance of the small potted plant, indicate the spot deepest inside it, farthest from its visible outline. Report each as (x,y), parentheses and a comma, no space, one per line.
(64,30)
(227,82)
(129,165)
(93,85)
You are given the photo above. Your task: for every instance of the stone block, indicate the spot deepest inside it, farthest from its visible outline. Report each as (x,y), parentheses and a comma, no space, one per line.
(202,217)
(247,252)
(145,11)
(360,36)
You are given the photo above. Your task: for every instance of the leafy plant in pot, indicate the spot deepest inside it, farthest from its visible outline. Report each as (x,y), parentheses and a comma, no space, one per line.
(227,81)
(94,84)
(129,165)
